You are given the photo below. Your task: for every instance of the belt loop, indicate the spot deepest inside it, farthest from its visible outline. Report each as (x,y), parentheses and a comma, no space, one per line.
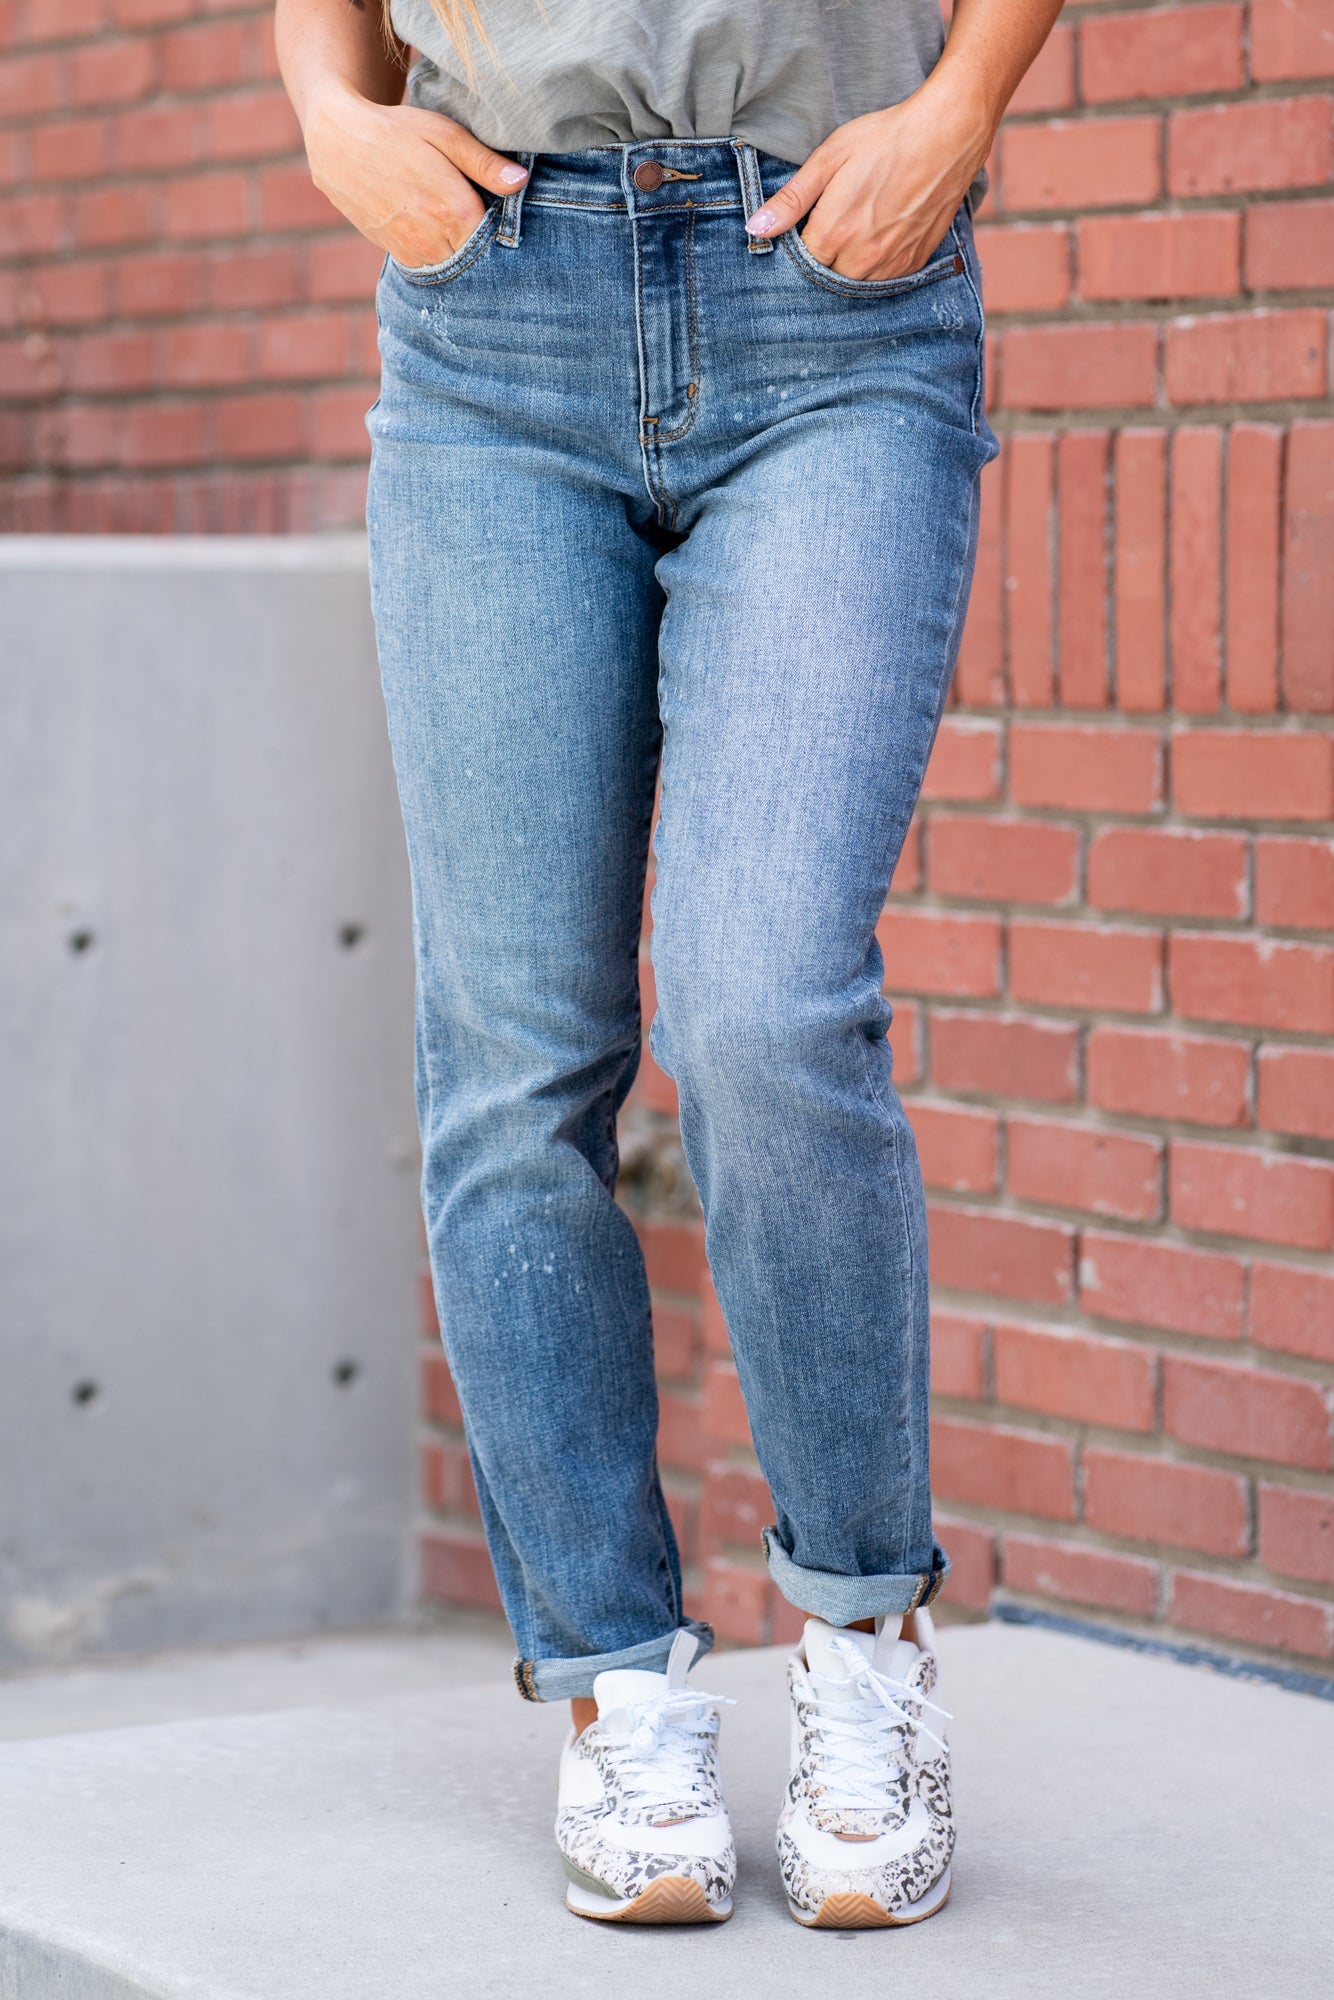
(511,208)
(752,192)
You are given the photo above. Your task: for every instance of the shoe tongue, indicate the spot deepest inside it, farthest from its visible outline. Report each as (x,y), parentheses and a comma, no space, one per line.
(620,1688)
(834,1669)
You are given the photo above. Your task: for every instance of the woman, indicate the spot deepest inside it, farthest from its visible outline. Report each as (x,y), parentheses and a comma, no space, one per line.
(663,485)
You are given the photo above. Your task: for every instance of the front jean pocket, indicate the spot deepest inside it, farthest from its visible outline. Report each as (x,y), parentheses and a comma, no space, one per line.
(453,266)
(948,263)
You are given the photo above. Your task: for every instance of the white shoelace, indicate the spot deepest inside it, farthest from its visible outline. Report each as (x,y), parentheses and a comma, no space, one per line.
(855,1742)
(660,1759)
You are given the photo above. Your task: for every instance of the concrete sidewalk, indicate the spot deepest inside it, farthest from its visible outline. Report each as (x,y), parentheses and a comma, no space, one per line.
(1130,1826)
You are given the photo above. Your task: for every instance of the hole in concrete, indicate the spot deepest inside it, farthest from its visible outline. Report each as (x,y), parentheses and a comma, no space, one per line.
(81,941)
(85,1392)
(345,1373)
(350,935)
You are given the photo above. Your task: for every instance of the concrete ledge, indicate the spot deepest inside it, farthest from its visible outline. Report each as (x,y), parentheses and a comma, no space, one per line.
(1130,1826)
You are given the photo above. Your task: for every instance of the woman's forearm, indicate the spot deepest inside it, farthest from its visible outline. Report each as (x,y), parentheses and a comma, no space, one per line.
(336,45)
(990,46)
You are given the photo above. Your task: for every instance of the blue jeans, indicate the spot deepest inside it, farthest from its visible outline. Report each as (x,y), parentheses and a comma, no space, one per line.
(647,495)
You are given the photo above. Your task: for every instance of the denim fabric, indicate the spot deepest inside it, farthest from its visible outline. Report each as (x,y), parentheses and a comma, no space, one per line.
(646,494)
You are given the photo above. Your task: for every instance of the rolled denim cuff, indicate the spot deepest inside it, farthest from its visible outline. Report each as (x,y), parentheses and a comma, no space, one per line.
(569,1680)
(841,1600)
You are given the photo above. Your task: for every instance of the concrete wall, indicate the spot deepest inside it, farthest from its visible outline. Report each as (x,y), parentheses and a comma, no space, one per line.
(208,1216)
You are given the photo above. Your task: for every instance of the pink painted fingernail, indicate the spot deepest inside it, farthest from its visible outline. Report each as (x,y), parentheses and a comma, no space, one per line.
(513,175)
(763,218)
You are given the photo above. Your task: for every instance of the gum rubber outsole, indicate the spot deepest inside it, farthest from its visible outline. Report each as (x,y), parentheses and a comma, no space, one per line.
(672,1899)
(863,1913)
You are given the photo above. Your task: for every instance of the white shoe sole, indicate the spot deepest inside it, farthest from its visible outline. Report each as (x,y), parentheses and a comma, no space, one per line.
(863,1913)
(672,1899)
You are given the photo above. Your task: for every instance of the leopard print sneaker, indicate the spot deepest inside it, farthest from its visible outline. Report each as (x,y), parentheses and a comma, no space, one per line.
(866,1833)
(641,1823)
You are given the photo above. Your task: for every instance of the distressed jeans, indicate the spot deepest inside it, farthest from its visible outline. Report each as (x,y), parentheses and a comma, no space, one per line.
(651,500)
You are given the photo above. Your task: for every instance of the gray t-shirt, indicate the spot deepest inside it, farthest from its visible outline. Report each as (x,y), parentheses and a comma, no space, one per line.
(565,74)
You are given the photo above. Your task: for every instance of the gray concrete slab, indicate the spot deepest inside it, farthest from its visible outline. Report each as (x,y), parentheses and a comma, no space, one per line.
(471,1646)
(1130,1826)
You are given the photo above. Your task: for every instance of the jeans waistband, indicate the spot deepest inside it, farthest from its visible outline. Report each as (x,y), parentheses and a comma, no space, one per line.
(650,177)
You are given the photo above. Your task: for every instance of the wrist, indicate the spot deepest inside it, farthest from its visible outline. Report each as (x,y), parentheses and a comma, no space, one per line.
(330,106)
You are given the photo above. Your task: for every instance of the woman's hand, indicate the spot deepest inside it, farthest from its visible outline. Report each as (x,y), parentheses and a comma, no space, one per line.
(403,177)
(881,191)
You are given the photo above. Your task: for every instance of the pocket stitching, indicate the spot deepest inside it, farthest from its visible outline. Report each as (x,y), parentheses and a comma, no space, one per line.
(866,288)
(465,256)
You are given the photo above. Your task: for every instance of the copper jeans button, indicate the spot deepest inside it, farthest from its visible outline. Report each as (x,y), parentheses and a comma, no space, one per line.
(648,175)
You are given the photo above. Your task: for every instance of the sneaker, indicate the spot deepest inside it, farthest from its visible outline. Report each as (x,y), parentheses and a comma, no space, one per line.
(640,1822)
(866,1831)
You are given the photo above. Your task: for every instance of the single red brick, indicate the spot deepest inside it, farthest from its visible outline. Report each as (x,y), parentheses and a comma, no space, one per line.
(36,225)
(736,1601)
(905,1040)
(1308,570)
(160,284)
(121,212)
(1254,1617)
(1260,356)
(1139,1282)
(987,1466)
(438,1396)
(907,877)
(456,1569)
(68,149)
(251,125)
(1184,57)
(1254,469)
(200,205)
(1006,1256)
(113,69)
(206,56)
(958,1356)
(1294,882)
(1200,1081)
(965,763)
(241,278)
(928,952)
(1026,266)
(1290,246)
(673,1255)
(1003,860)
(1169,871)
(150,13)
(1195,569)
(164,434)
(972,1554)
(1265,982)
(1077,1166)
(259,426)
(447,1479)
(1078,1575)
(1080,367)
(1139,568)
(1109,163)
(1050,84)
(102,362)
(207,353)
(69,294)
(1291,38)
(32,86)
(1085,965)
(1268,143)
(734,1507)
(1086,769)
(1192,256)
(1296,1092)
(1000,1055)
(302,346)
(1221,1406)
(1083,490)
(979,677)
(1077,1375)
(1160,1500)
(1029,466)
(157,137)
(1253,774)
(1297,1533)
(289,199)
(957,1147)
(1292,1310)
(1240,1191)
(343,267)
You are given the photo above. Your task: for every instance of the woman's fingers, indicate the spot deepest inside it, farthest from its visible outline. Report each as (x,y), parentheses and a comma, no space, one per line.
(490,170)
(790,202)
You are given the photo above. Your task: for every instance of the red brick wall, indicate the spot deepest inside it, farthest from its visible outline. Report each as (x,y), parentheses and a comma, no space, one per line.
(1112,937)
